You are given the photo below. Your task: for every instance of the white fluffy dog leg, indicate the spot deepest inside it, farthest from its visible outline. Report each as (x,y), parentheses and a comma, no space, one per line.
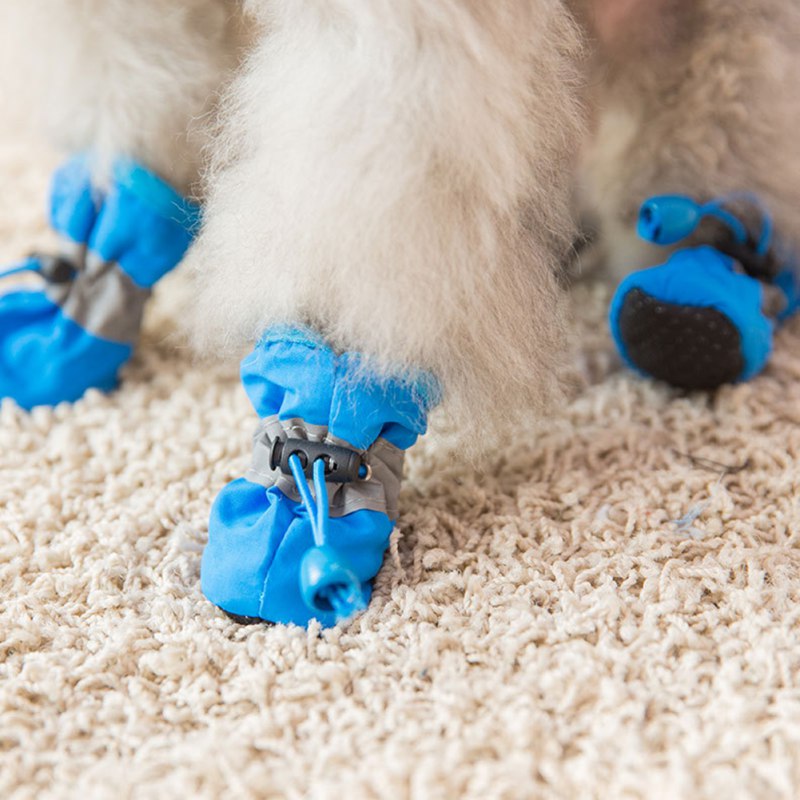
(396,173)
(698,122)
(694,101)
(118,77)
(120,85)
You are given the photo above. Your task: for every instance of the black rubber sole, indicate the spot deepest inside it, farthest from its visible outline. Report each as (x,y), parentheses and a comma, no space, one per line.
(245,620)
(689,347)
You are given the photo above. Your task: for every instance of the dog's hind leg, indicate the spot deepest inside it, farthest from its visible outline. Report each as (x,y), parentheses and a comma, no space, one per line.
(118,78)
(696,104)
(393,179)
(122,88)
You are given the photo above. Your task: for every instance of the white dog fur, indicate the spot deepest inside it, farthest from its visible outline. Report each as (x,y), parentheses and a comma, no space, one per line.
(399,173)
(696,97)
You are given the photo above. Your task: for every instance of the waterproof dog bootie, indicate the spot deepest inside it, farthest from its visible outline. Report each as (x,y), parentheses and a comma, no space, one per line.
(707,316)
(79,329)
(303,534)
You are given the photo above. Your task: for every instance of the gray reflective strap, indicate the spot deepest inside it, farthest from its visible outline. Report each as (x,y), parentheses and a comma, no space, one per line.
(102,299)
(379,493)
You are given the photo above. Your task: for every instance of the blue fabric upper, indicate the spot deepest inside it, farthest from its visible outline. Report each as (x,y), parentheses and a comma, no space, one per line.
(46,359)
(705,278)
(140,223)
(258,537)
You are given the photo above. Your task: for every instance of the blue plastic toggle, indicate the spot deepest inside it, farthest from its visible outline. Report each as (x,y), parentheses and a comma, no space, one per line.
(667,219)
(328,585)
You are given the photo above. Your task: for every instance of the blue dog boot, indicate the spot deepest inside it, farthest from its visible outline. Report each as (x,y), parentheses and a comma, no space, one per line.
(693,322)
(79,329)
(303,534)
(707,316)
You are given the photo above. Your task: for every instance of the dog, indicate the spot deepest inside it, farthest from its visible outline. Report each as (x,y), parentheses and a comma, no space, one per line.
(406,178)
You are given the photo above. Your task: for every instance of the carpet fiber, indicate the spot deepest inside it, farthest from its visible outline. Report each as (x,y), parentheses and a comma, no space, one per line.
(602,610)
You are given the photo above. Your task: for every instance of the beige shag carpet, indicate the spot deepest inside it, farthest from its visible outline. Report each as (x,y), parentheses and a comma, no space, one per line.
(604,611)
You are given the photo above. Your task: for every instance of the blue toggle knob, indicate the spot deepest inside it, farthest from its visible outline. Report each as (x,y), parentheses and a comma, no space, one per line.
(667,219)
(329,585)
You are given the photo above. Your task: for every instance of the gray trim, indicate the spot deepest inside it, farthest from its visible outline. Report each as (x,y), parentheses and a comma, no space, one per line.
(379,493)
(102,299)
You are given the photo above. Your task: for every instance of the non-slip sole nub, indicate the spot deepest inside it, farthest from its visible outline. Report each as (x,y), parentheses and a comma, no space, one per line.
(690,347)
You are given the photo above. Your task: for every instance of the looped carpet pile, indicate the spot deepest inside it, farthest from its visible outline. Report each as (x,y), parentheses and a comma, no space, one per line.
(607,606)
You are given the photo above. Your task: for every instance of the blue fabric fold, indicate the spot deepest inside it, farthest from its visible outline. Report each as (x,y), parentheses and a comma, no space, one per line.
(46,359)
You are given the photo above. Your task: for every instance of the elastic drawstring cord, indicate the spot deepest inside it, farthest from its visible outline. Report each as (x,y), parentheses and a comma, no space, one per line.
(30,265)
(326,581)
(736,225)
(54,269)
(317,511)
